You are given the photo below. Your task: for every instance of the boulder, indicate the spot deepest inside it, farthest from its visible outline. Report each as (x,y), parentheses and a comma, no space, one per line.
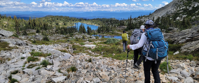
(188,80)
(16,77)
(5,33)
(172,79)
(14,42)
(193,64)
(59,79)
(184,73)
(96,80)
(89,46)
(104,76)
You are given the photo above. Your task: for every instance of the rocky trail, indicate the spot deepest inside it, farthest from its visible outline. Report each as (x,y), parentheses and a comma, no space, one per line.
(89,69)
(64,67)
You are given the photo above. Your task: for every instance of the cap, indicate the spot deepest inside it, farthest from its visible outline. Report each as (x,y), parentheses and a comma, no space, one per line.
(149,22)
(142,27)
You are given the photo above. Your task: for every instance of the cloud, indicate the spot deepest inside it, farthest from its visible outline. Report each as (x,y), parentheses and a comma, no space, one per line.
(134,0)
(48,5)
(148,5)
(139,4)
(165,3)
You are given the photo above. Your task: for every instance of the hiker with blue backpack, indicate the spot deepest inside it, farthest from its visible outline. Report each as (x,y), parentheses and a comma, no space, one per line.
(154,50)
(134,39)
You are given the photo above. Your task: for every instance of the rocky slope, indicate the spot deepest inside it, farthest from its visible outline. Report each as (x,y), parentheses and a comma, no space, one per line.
(189,38)
(89,69)
(178,9)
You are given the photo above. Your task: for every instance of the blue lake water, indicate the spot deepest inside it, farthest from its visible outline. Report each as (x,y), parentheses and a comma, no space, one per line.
(93,27)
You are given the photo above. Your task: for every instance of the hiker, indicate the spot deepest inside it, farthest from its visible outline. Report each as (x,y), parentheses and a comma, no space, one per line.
(124,40)
(149,62)
(138,52)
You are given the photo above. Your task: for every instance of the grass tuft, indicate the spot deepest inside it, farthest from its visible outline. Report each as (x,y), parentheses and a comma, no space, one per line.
(163,67)
(45,63)
(39,54)
(31,66)
(31,58)
(72,69)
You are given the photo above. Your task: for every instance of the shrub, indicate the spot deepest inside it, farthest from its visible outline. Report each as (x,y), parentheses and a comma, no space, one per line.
(97,37)
(72,69)
(89,60)
(22,57)
(33,41)
(15,72)
(37,68)
(111,41)
(83,37)
(31,58)
(82,43)
(190,57)
(15,35)
(5,46)
(13,80)
(31,65)
(174,47)
(45,63)
(163,67)
(24,32)
(45,38)
(39,54)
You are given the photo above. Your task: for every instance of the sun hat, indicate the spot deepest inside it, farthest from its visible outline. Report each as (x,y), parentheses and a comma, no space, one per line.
(142,27)
(149,22)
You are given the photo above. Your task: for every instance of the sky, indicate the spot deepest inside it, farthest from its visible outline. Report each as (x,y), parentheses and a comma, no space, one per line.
(81,5)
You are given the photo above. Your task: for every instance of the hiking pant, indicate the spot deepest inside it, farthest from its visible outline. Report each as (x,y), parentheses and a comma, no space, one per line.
(136,53)
(124,45)
(151,65)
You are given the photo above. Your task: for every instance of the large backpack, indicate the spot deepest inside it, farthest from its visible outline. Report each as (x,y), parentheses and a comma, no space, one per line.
(155,47)
(124,37)
(135,37)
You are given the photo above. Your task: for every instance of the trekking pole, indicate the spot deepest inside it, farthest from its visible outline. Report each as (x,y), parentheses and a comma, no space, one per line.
(126,62)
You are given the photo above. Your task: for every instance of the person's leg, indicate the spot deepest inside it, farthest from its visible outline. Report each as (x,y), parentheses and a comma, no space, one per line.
(155,71)
(147,66)
(135,56)
(124,46)
(141,57)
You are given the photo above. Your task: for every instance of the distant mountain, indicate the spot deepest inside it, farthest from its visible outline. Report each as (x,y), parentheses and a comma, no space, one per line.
(86,15)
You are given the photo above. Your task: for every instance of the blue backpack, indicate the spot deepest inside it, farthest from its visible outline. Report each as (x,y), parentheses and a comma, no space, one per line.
(155,47)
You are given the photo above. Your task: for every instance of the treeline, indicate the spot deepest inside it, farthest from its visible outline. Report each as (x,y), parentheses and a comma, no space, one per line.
(161,22)
(70,30)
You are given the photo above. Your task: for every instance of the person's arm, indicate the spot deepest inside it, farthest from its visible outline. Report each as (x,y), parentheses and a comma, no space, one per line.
(139,44)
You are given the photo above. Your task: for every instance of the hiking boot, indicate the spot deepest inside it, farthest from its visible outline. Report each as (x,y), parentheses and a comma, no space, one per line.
(136,66)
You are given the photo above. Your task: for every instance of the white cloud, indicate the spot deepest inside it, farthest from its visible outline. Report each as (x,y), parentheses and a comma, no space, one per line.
(145,0)
(120,5)
(165,3)
(148,5)
(134,0)
(47,5)
(34,3)
(139,4)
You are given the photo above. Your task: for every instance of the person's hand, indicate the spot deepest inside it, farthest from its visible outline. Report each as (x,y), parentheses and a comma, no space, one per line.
(128,47)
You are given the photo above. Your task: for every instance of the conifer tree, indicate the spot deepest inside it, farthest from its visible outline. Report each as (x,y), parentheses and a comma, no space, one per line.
(17,25)
(88,30)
